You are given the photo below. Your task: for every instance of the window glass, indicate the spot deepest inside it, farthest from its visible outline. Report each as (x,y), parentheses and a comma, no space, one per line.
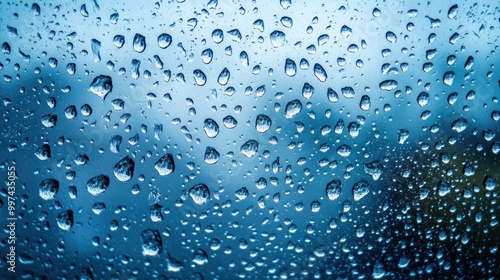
(250,139)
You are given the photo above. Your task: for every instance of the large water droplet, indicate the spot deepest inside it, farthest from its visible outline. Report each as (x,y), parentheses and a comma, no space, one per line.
(43,153)
(290,68)
(65,220)
(293,108)
(139,43)
(165,165)
(333,189)
(459,125)
(211,128)
(199,77)
(48,189)
(98,184)
(320,72)
(391,37)
(262,123)
(217,36)
(250,148)
(199,194)
(224,77)
(164,40)
(360,189)
(448,78)
(211,155)
(124,169)
(277,39)
(151,242)
(374,169)
(453,11)
(101,86)
(388,85)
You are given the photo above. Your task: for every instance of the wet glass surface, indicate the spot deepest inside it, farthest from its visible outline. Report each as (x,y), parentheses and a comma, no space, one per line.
(252,139)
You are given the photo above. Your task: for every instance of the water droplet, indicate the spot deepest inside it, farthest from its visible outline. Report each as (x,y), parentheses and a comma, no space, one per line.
(49,120)
(365,103)
(468,169)
(459,125)
(320,72)
(315,206)
(333,189)
(229,122)
(277,39)
(200,257)
(199,194)
(423,99)
(96,50)
(244,59)
(48,189)
(261,183)
(448,78)
(235,35)
(211,128)
(388,85)
(211,155)
(403,134)
(119,41)
(224,77)
(345,31)
(307,91)
(332,95)
(287,22)
(489,183)
(217,36)
(124,169)
(151,242)
(165,165)
(452,98)
(344,150)
(250,148)
(65,220)
(488,134)
(155,213)
(139,43)
(43,153)
(290,68)
(114,143)
(35,9)
(241,193)
(495,115)
(339,127)
(199,77)
(323,39)
(262,123)
(293,108)
(98,184)
(348,92)
(353,129)
(468,64)
(259,25)
(285,3)
(453,11)
(374,169)
(101,86)
(164,40)
(444,188)
(206,56)
(360,189)
(391,37)
(98,208)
